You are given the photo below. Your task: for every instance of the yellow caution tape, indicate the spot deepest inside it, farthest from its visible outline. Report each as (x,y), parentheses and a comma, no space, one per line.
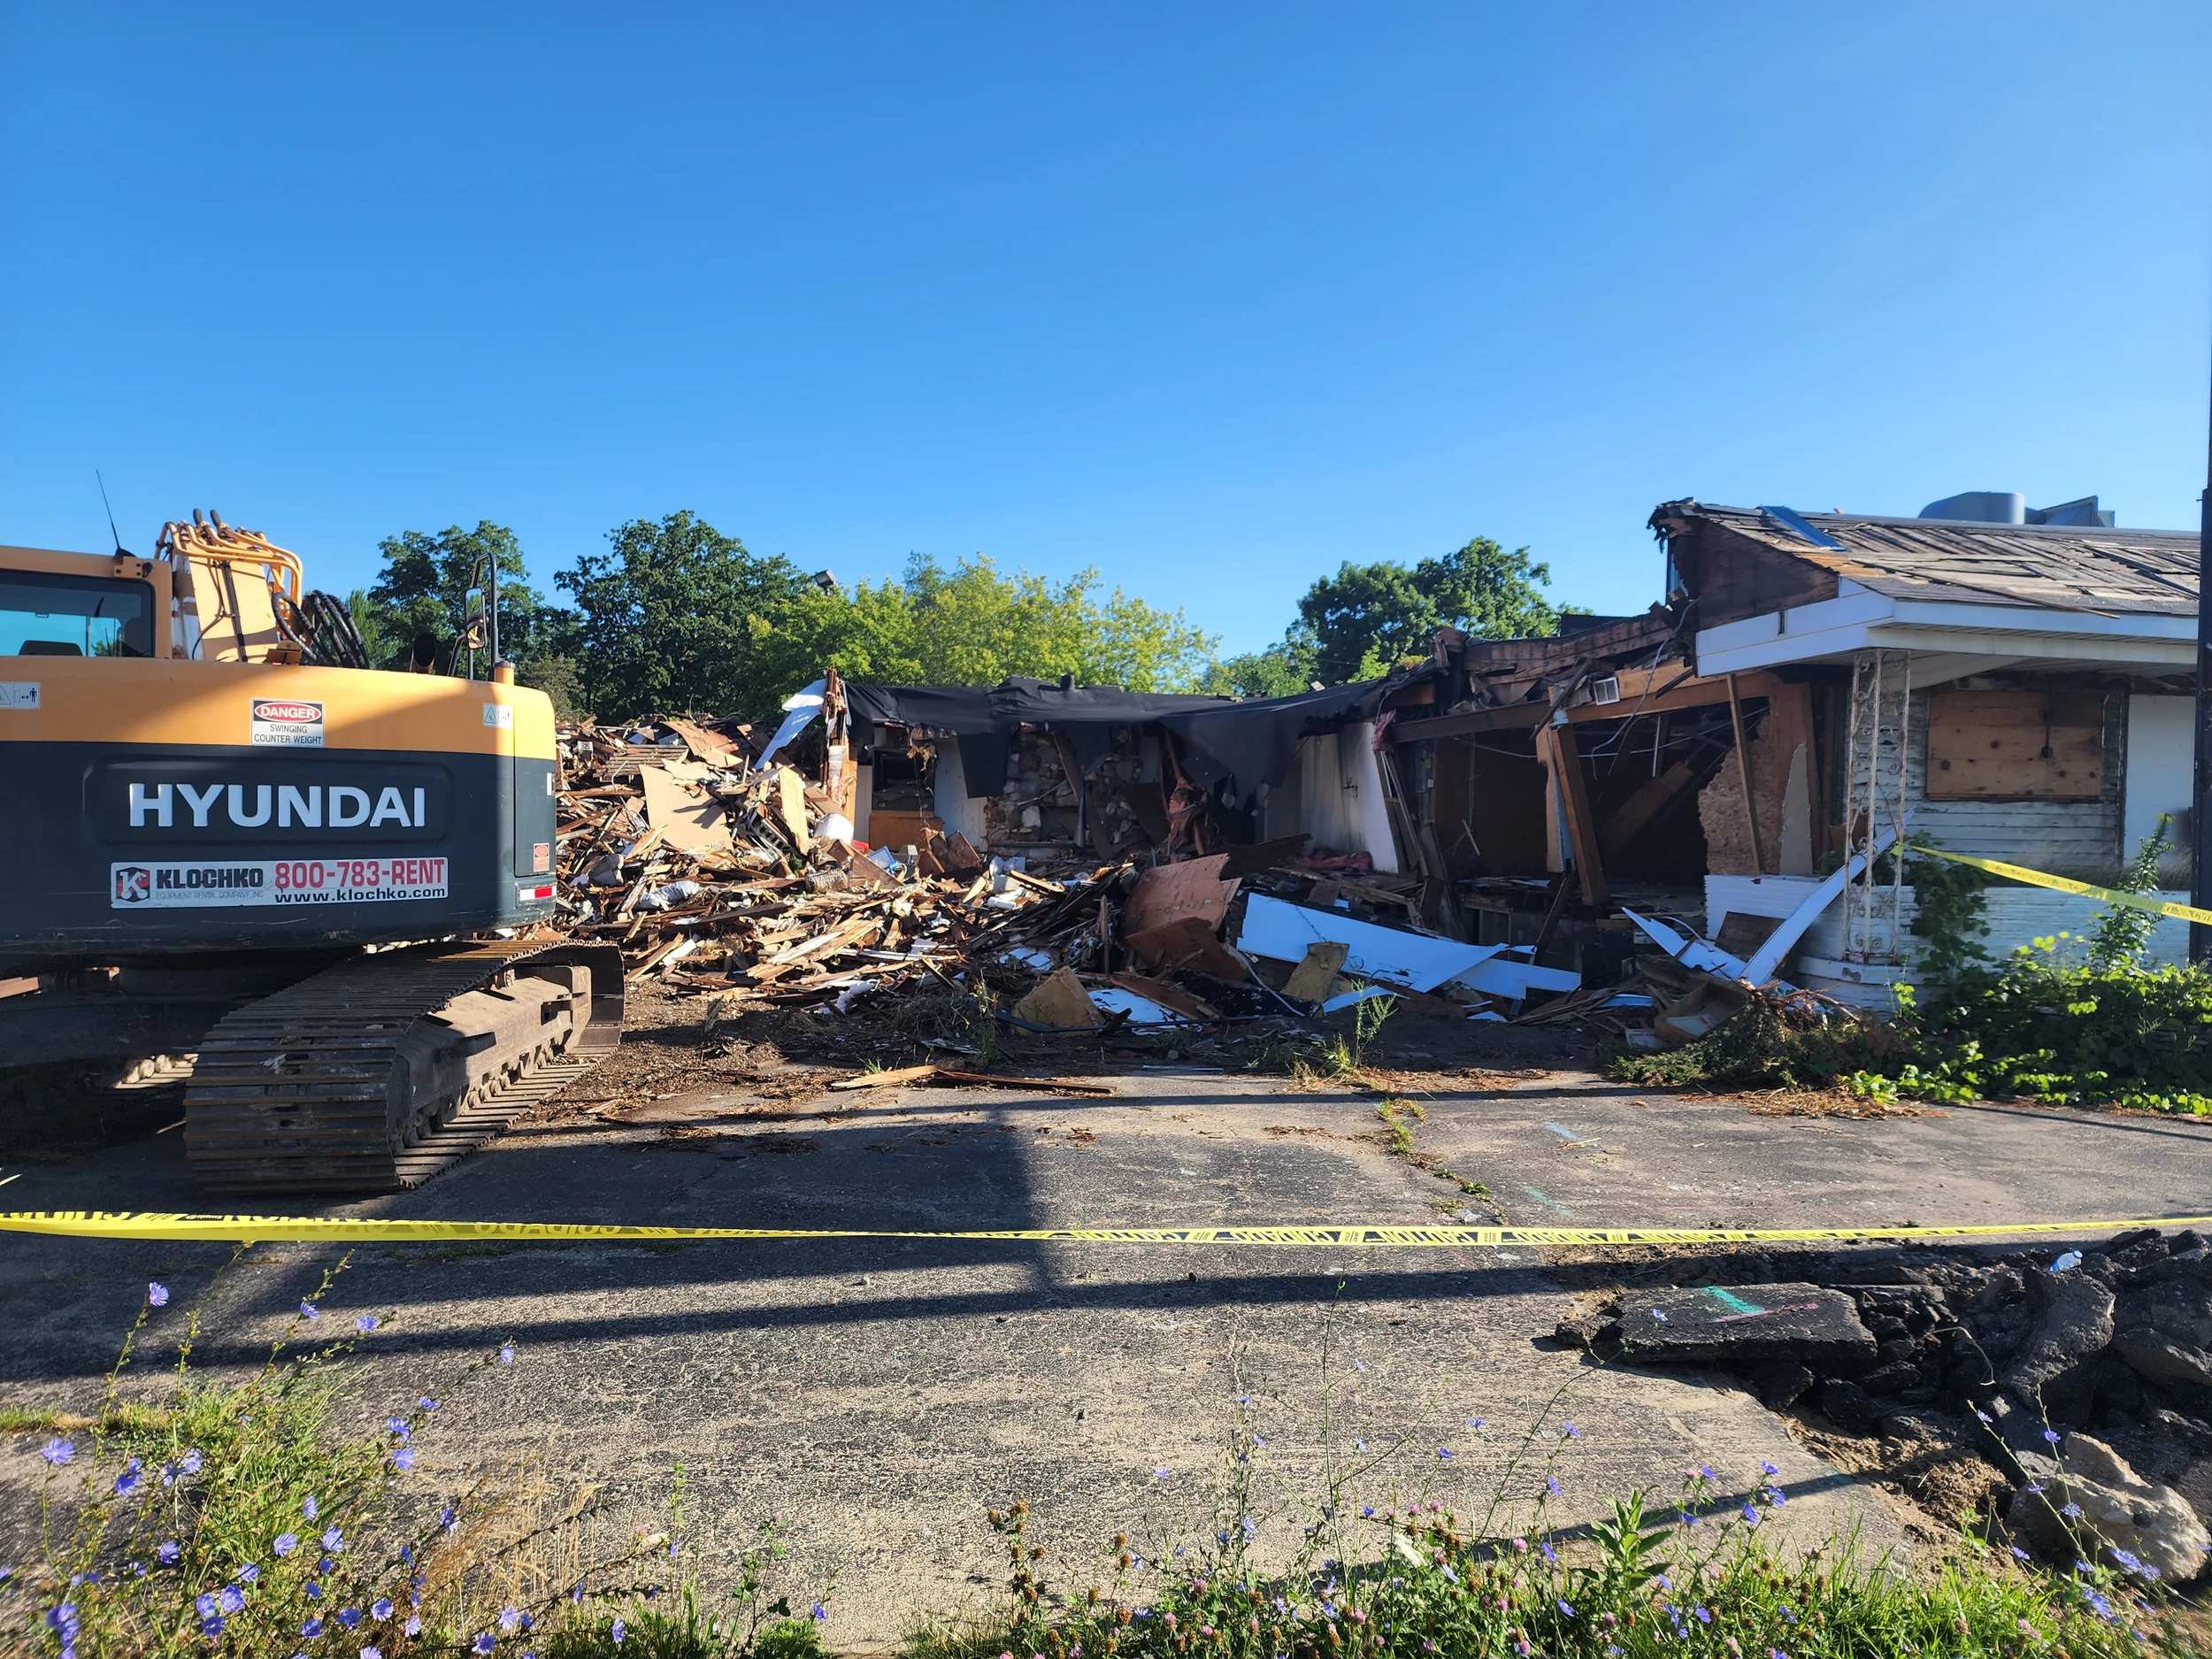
(2036,878)
(100,1223)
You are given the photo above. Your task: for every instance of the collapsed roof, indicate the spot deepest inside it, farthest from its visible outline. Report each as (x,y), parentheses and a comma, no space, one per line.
(1805,556)
(1251,740)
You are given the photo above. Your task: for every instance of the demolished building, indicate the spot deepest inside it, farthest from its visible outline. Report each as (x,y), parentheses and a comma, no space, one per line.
(1703,780)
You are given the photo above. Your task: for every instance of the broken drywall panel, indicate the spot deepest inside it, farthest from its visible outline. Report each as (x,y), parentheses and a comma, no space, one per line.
(1168,995)
(1687,949)
(1285,932)
(1366,993)
(1509,976)
(1142,1011)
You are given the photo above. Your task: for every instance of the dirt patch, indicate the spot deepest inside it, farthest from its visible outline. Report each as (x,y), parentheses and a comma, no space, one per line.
(1828,1103)
(1944,1479)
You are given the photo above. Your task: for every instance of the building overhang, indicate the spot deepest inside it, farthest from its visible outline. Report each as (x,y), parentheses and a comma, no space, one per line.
(1980,639)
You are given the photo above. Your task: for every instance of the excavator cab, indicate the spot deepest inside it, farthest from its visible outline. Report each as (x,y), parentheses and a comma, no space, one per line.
(212,794)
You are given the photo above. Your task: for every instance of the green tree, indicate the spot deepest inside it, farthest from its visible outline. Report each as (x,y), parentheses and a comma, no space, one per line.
(678,615)
(1367,618)
(976,625)
(1282,670)
(973,625)
(865,632)
(423,586)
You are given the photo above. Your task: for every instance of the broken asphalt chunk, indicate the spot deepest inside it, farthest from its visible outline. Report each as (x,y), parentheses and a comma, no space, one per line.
(1818,1328)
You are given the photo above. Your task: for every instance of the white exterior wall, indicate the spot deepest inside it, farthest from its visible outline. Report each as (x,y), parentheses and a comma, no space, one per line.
(2017,916)
(2161,765)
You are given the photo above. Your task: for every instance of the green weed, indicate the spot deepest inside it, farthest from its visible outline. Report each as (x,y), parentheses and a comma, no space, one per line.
(243,1519)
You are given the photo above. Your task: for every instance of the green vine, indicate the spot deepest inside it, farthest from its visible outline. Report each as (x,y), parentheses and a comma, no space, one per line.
(1950,905)
(2117,936)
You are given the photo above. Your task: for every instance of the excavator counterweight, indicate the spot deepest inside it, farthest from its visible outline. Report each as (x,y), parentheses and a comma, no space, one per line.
(221,828)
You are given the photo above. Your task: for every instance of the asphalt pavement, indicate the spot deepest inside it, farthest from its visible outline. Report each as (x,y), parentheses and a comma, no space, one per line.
(881,1394)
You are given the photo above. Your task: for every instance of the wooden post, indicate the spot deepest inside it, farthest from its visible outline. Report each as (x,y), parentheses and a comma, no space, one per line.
(1743,775)
(1565,763)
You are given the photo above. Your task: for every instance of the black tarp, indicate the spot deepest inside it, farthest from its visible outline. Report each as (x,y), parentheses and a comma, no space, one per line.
(1252,740)
(1255,741)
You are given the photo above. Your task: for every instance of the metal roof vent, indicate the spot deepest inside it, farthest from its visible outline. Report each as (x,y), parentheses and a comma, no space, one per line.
(2082,511)
(1980,506)
(2010,506)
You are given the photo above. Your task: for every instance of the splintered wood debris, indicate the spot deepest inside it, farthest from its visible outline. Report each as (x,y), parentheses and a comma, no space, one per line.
(714,876)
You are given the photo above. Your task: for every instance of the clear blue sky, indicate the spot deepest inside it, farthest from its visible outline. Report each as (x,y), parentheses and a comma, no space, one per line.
(1211,297)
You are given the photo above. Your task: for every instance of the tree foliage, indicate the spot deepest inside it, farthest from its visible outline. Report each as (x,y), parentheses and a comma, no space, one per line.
(679,615)
(676,615)
(1365,619)
(1282,670)
(974,624)
(424,589)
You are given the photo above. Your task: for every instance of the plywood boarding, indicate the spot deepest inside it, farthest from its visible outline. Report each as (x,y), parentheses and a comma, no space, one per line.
(2016,746)
(2079,838)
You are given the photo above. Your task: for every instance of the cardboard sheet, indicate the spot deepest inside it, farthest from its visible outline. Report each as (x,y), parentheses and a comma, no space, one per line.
(689,818)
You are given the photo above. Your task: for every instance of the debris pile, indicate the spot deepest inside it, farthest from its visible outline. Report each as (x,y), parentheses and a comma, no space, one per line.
(719,868)
(2013,1358)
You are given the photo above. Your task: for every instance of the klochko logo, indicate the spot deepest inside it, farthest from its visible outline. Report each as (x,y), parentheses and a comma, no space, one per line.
(133,884)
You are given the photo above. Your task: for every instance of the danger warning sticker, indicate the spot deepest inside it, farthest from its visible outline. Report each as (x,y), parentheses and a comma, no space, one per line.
(330,880)
(280,724)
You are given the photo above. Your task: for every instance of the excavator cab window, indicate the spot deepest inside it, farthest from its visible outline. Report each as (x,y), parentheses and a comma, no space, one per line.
(47,614)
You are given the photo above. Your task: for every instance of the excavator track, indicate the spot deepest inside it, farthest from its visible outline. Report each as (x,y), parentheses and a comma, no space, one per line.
(369,1077)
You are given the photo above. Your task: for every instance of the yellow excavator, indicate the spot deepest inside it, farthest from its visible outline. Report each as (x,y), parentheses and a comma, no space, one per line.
(224,834)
